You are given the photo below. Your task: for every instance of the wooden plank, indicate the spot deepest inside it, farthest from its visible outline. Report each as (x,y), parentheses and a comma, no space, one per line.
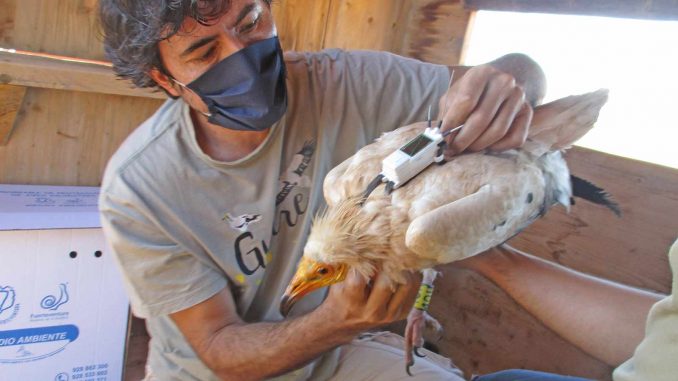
(632,249)
(373,25)
(7,22)
(66,138)
(436,31)
(301,23)
(58,73)
(11,98)
(641,9)
(67,27)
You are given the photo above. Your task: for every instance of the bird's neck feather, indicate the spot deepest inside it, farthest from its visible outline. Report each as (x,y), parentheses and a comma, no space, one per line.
(348,233)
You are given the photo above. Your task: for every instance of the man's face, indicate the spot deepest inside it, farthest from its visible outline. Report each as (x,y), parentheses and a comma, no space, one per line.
(196,47)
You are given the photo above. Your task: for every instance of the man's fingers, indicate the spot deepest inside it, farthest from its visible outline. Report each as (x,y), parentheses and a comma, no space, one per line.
(499,88)
(380,296)
(502,121)
(517,134)
(355,286)
(461,99)
(403,299)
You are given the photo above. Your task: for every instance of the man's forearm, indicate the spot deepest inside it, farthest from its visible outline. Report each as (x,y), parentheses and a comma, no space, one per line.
(604,319)
(260,350)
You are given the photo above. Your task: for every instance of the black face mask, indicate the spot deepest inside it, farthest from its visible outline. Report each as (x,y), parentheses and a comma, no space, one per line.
(246,90)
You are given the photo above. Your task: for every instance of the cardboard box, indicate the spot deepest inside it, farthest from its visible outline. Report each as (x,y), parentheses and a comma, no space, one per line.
(63,310)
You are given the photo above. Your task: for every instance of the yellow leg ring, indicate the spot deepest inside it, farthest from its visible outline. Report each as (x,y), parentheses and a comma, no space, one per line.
(423,297)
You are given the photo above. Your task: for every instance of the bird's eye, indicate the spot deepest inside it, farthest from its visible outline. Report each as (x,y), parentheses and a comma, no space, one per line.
(322,271)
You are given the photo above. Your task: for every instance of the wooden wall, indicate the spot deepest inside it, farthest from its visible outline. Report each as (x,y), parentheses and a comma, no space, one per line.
(62,137)
(66,137)
(430,30)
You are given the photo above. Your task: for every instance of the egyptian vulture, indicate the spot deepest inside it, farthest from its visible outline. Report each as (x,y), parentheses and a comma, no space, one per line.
(448,212)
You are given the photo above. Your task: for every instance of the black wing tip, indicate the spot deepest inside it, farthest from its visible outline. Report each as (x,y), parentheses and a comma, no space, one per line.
(588,191)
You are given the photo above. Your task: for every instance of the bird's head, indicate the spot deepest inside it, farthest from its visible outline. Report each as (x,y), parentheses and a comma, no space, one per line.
(341,239)
(310,276)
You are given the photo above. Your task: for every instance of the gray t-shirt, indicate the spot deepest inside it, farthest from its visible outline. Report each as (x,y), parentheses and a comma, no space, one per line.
(184,226)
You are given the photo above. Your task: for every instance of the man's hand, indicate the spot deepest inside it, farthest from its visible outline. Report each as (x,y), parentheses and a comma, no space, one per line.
(358,305)
(492,108)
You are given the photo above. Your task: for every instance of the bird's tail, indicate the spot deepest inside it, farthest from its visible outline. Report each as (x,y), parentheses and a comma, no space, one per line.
(558,124)
(588,191)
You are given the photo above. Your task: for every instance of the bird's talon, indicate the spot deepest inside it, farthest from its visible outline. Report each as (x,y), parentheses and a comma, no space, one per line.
(416,352)
(407,368)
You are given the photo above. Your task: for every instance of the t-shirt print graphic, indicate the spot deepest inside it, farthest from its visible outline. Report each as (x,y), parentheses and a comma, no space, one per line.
(294,176)
(241,223)
(292,200)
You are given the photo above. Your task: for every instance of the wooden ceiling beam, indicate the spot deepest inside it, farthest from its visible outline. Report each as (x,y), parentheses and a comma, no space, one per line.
(64,73)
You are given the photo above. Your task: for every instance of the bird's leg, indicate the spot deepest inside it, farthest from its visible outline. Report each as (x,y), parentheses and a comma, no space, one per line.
(419,318)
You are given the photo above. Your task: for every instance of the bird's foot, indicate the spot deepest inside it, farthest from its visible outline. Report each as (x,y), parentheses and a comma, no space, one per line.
(418,319)
(413,337)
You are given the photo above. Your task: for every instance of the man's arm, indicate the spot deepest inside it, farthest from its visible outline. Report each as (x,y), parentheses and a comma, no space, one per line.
(603,318)
(494,102)
(235,350)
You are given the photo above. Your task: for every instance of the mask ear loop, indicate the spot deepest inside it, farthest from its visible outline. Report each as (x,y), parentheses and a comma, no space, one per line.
(207,114)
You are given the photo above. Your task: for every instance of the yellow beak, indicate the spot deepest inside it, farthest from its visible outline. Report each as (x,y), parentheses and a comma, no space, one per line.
(310,276)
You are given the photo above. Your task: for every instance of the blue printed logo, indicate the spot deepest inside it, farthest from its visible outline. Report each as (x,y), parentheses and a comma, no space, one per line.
(8,306)
(50,302)
(30,344)
(6,298)
(61,377)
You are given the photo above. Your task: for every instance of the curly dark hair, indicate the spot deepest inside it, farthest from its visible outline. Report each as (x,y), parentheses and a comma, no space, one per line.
(132,29)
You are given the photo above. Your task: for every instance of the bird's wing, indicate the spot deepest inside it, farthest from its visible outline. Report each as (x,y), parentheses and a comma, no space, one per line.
(557,125)
(465,227)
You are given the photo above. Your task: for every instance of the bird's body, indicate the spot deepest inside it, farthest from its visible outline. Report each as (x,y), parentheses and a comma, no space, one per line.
(469,204)
(448,212)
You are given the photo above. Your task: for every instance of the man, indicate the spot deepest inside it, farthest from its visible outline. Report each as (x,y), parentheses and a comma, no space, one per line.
(208,203)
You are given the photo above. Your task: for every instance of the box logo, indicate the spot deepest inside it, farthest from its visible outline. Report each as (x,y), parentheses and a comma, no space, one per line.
(8,306)
(50,302)
(30,344)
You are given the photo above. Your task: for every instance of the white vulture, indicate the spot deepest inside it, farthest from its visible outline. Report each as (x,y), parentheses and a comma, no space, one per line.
(448,212)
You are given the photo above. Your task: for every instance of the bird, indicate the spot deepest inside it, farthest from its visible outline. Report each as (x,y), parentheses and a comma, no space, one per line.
(241,223)
(450,211)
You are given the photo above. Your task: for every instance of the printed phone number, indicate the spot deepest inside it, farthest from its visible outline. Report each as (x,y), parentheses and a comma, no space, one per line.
(94,372)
